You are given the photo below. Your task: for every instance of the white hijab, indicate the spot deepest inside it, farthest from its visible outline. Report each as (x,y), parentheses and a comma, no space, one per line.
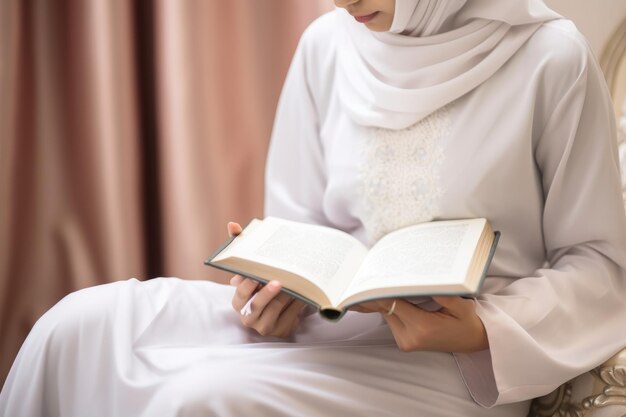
(435,52)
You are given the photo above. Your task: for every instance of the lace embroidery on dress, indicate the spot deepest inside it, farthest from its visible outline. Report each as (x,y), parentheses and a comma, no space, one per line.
(400,174)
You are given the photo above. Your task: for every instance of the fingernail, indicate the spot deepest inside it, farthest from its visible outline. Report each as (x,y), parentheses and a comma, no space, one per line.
(274,286)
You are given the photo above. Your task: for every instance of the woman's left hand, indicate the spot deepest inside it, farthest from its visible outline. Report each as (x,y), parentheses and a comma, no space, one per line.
(454,328)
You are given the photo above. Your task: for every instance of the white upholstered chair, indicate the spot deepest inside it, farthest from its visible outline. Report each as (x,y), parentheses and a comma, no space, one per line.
(602,391)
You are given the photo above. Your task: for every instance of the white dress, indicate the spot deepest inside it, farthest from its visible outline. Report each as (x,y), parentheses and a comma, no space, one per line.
(532,149)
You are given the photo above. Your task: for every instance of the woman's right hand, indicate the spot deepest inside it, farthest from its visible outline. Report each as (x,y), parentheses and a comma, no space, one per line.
(264,308)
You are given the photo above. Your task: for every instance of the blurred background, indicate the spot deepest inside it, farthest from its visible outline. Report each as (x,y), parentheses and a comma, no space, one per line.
(131,131)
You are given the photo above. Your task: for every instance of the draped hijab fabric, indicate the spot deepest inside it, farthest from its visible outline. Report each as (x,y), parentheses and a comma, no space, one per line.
(435,52)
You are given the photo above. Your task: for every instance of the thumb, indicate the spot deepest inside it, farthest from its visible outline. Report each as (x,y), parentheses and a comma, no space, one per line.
(233,229)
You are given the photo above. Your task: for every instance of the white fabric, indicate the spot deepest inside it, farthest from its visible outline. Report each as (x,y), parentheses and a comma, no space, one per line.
(393,80)
(423,17)
(167,348)
(533,149)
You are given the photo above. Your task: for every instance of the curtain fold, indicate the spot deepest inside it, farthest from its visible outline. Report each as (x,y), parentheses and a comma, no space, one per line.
(130,132)
(229,94)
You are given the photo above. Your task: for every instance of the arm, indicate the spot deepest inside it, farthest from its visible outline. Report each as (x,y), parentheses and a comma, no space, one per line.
(526,339)
(295,176)
(568,317)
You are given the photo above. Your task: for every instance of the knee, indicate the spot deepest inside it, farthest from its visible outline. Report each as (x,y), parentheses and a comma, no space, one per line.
(79,317)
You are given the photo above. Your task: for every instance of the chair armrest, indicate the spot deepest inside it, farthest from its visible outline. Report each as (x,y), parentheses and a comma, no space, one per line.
(605,386)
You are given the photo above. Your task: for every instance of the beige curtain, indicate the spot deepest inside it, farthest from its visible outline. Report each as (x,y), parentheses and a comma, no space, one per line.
(130,132)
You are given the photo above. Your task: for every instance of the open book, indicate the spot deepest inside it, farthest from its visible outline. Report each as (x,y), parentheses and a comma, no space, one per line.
(332,270)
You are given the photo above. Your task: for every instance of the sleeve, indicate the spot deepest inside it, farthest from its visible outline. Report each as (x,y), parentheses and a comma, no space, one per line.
(570,316)
(295,177)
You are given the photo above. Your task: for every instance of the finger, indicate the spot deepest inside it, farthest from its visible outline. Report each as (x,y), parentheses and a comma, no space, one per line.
(456,306)
(244,292)
(407,325)
(405,311)
(406,322)
(394,322)
(268,319)
(236,280)
(295,308)
(233,229)
(275,308)
(265,320)
(361,309)
(289,320)
(398,329)
(261,299)
(368,307)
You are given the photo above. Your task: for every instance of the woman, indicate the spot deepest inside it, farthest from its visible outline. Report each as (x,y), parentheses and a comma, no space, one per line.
(393,113)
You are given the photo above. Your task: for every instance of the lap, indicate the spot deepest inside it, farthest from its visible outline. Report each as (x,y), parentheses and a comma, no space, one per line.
(173,347)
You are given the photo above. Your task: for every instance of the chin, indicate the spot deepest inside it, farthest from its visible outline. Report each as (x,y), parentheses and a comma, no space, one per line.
(377,27)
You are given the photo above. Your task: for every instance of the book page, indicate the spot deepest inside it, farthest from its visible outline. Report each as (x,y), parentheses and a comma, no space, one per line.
(427,254)
(325,256)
